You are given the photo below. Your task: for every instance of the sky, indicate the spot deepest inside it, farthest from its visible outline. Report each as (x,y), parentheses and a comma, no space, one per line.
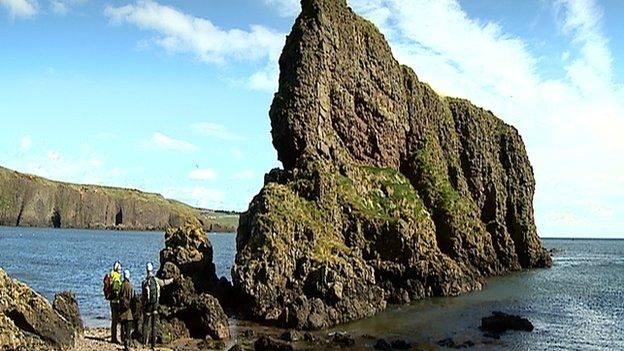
(173,96)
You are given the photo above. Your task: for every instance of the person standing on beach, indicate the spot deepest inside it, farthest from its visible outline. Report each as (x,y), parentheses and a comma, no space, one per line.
(115,278)
(125,315)
(150,296)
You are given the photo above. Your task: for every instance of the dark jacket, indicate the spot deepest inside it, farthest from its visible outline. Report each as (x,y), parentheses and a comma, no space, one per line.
(127,293)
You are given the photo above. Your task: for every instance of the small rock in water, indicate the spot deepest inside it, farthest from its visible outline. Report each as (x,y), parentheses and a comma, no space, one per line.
(265,343)
(450,343)
(341,339)
(382,344)
(500,322)
(491,335)
(401,345)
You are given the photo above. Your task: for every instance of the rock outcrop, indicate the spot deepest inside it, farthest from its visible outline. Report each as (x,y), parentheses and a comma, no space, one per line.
(66,305)
(389,192)
(31,201)
(188,305)
(500,322)
(28,322)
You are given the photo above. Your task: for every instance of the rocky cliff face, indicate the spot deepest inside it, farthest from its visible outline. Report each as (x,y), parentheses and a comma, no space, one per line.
(389,191)
(29,323)
(31,201)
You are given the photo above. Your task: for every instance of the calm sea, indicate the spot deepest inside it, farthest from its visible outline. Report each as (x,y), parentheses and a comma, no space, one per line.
(576,305)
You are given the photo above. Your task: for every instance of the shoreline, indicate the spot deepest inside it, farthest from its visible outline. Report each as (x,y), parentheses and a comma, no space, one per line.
(159,231)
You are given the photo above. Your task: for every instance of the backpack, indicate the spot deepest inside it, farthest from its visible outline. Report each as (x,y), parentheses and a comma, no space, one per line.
(151,291)
(108,287)
(111,287)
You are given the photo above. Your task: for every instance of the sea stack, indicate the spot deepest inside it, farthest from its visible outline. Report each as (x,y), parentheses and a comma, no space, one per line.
(389,192)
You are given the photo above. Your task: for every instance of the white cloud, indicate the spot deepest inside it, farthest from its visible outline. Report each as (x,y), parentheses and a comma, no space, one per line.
(20,8)
(82,165)
(264,80)
(165,142)
(244,175)
(178,32)
(198,196)
(215,130)
(286,8)
(62,7)
(203,174)
(25,143)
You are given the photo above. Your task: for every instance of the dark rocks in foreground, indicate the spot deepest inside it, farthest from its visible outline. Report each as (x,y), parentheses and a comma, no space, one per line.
(265,343)
(188,305)
(29,322)
(500,322)
(451,344)
(66,305)
(389,193)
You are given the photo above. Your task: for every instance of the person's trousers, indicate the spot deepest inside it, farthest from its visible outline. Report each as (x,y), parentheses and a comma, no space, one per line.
(149,328)
(114,321)
(126,334)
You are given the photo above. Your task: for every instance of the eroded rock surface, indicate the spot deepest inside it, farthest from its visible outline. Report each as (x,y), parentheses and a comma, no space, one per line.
(389,192)
(28,322)
(66,305)
(188,307)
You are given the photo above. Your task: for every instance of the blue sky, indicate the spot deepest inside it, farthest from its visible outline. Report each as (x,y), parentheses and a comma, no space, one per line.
(173,96)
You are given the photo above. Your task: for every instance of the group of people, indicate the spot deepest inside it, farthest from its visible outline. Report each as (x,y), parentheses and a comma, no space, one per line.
(118,289)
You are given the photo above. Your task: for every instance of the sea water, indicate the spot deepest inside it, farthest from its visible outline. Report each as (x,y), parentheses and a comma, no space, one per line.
(578,304)
(54,260)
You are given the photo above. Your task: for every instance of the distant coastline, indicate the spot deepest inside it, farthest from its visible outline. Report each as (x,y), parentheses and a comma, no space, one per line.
(31,201)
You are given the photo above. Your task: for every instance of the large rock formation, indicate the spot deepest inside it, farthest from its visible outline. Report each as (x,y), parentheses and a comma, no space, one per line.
(389,191)
(66,305)
(30,201)
(28,322)
(188,305)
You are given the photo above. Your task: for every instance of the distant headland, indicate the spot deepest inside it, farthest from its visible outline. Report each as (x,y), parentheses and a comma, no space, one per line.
(31,201)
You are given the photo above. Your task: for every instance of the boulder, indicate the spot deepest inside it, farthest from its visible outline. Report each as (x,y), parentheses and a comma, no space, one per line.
(265,343)
(389,192)
(66,305)
(451,344)
(341,339)
(382,344)
(188,305)
(29,322)
(500,322)
(401,345)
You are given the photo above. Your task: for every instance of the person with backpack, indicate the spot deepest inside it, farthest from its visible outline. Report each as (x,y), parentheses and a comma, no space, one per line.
(125,310)
(150,296)
(112,290)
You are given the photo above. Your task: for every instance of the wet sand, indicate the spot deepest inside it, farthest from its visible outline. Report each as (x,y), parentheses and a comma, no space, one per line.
(98,339)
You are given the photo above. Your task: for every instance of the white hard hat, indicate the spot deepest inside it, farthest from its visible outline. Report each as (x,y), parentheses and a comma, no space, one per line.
(127,274)
(149,267)
(117,266)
